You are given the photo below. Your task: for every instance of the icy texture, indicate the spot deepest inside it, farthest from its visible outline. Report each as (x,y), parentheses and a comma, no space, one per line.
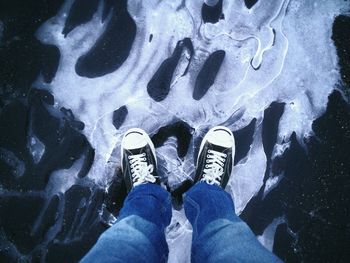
(278,50)
(1,30)
(10,159)
(211,2)
(268,236)
(37,148)
(179,238)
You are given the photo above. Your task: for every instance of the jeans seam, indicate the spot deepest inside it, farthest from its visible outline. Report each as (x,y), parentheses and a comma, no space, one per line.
(165,206)
(197,208)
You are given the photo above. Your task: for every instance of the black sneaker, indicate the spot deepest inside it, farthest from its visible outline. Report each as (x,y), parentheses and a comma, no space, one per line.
(138,158)
(215,157)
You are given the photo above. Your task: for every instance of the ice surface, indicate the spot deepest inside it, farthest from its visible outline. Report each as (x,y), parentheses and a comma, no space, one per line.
(36,147)
(179,238)
(211,2)
(1,30)
(13,161)
(267,238)
(278,50)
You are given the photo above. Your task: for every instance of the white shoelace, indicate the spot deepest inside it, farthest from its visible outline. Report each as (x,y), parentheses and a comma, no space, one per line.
(214,167)
(140,171)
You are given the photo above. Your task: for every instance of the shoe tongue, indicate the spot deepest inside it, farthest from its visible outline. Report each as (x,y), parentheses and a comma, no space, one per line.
(137,150)
(218,148)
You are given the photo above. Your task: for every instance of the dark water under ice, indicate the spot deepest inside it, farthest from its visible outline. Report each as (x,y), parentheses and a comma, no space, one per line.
(75,75)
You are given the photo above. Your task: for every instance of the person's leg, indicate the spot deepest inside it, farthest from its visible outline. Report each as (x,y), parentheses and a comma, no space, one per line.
(219,235)
(138,235)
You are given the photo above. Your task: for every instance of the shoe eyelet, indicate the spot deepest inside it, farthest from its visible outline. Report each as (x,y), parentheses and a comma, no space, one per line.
(206,166)
(207,161)
(208,156)
(129,157)
(209,151)
(144,159)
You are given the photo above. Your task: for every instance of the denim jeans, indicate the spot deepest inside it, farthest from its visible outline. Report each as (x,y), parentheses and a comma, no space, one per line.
(219,235)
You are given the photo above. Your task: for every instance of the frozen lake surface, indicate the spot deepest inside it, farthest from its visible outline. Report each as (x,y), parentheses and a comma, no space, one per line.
(76,75)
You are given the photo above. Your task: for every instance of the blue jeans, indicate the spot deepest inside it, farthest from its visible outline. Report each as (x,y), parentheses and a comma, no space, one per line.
(219,235)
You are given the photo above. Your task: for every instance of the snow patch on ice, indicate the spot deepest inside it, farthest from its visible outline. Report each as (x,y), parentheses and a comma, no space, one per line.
(61,180)
(267,237)
(36,148)
(179,238)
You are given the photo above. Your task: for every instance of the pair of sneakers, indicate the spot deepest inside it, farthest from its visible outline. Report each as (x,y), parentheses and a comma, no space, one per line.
(214,162)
